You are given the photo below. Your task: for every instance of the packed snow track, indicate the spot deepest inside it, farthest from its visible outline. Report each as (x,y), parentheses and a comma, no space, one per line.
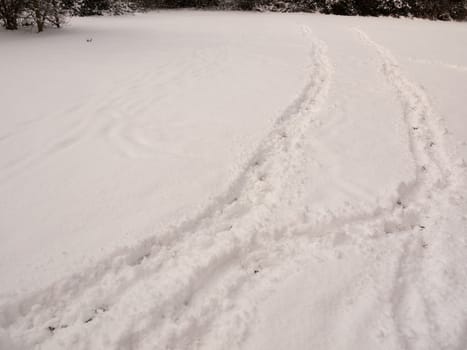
(251,181)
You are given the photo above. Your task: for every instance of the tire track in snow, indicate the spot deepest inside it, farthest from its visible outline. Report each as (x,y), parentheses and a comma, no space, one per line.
(146,290)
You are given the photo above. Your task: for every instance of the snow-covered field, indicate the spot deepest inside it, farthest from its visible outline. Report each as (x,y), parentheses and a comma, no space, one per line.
(185,179)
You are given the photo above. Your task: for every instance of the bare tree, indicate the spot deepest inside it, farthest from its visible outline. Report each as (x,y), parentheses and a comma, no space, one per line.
(45,11)
(39,11)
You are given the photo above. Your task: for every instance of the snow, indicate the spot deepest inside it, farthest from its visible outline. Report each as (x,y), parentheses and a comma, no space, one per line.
(225,180)
(147,126)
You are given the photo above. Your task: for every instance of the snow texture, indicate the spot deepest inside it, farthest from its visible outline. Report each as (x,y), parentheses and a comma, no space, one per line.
(217,180)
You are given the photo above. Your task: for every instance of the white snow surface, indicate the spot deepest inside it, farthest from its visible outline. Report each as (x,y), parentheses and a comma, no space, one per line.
(222,180)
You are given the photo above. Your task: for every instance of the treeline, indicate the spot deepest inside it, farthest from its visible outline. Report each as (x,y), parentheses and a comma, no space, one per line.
(16,13)
(40,13)
(432,9)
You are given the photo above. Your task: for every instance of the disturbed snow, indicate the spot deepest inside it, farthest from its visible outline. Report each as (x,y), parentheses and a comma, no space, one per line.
(229,180)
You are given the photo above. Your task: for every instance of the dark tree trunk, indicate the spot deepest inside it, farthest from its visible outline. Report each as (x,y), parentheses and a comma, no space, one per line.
(40,12)
(40,20)
(40,26)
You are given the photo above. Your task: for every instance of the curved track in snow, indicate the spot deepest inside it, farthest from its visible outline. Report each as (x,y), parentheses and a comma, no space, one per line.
(396,293)
(195,285)
(170,289)
(417,316)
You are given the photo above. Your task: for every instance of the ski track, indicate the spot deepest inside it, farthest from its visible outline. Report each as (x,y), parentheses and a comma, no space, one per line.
(170,291)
